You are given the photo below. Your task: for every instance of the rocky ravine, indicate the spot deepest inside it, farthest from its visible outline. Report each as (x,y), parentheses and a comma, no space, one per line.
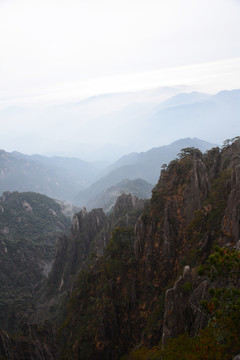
(140,287)
(194,206)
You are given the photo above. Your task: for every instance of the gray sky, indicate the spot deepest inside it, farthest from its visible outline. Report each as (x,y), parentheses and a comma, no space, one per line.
(58,51)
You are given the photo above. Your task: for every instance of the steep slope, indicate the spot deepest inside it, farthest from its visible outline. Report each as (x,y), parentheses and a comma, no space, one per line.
(144,166)
(90,233)
(107,198)
(164,154)
(119,303)
(29,223)
(59,178)
(133,289)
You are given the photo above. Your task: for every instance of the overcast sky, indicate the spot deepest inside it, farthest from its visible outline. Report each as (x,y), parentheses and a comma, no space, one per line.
(55,52)
(61,49)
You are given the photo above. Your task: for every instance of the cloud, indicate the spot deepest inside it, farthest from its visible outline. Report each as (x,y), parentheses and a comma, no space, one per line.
(48,45)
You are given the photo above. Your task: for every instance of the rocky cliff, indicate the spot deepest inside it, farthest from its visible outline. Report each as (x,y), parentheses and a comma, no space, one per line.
(34,343)
(29,223)
(90,233)
(122,286)
(194,207)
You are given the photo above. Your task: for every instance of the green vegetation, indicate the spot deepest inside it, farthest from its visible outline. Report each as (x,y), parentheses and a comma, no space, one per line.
(95,306)
(190,151)
(173,179)
(220,339)
(210,216)
(29,223)
(45,217)
(105,320)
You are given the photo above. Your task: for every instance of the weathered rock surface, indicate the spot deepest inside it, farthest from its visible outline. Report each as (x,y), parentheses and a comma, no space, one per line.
(6,348)
(33,344)
(133,295)
(27,249)
(194,206)
(183,311)
(90,233)
(161,238)
(237,357)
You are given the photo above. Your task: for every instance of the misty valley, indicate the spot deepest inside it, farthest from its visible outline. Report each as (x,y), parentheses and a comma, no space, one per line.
(119,180)
(135,260)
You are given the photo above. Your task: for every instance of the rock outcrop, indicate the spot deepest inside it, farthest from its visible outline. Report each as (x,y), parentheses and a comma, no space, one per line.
(123,281)
(90,234)
(194,206)
(6,347)
(27,249)
(33,344)
(183,312)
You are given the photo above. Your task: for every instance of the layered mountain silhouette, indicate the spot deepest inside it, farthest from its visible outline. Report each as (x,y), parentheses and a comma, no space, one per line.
(85,183)
(108,126)
(57,177)
(145,166)
(153,279)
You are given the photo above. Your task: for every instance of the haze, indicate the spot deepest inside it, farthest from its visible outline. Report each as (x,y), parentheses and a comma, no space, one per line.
(55,54)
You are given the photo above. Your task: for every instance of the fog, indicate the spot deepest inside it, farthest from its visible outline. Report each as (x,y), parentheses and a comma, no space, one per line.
(88,78)
(107,127)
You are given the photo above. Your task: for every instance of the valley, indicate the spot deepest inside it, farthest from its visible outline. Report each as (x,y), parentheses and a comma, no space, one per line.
(121,285)
(119,180)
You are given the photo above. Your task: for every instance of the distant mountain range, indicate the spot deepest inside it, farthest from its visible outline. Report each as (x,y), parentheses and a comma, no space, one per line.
(57,177)
(145,166)
(84,183)
(140,120)
(196,114)
(107,198)
(108,126)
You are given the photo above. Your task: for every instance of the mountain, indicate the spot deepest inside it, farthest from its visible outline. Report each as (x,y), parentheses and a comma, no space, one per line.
(29,224)
(79,135)
(200,117)
(162,154)
(145,166)
(89,235)
(184,99)
(106,127)
(176,273)
(153,280)
(57,177)
(107,198)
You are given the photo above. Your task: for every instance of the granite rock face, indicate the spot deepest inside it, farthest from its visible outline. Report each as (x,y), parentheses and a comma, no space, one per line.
(6,348)
(183,311)
(142,287)
(237,357)
(162,238)
(33,344)
(90,233)
(195,204)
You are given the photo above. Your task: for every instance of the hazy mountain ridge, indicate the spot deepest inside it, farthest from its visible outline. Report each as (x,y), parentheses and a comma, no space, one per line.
(62,178)
(108,197)
(150,118)
(145,165)
(129,296)
(198,117)
(57,177)
(184,99)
